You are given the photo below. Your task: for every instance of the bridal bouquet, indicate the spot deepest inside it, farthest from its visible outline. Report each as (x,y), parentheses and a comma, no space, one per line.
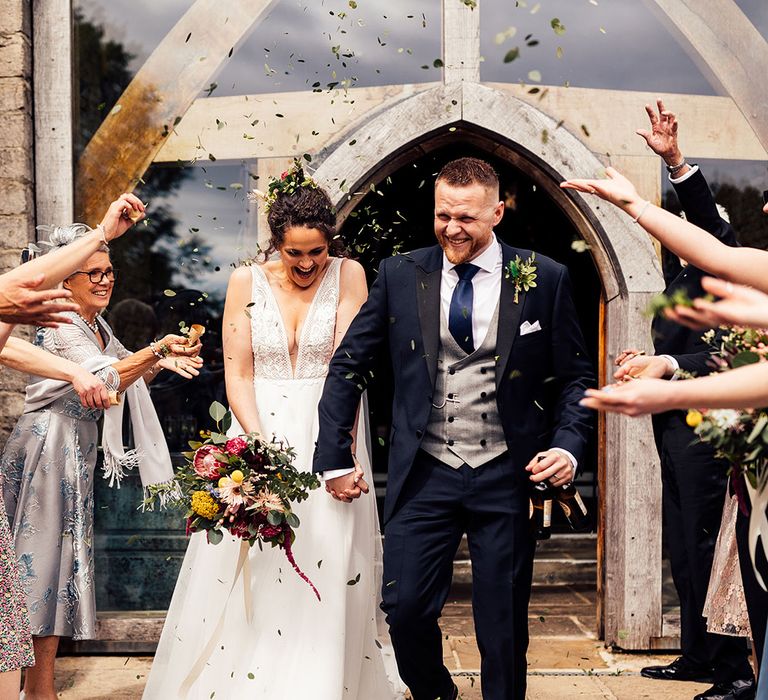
(244,485)
(741,436)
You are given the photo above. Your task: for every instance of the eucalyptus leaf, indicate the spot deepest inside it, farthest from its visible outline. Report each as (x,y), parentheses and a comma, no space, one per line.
(217,411)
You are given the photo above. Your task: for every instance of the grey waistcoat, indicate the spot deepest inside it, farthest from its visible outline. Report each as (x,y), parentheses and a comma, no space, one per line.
(464,425)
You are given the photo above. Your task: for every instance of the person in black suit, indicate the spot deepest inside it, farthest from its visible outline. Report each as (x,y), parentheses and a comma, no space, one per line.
(694,481)
(488,373)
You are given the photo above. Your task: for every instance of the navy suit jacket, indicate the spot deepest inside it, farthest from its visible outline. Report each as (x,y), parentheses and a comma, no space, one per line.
(540,377)
(670,338)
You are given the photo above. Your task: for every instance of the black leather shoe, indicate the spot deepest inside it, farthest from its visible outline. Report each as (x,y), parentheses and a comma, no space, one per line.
(679,670)
(735,690)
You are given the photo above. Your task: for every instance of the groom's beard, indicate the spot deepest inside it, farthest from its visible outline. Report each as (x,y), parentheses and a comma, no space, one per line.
(469,249)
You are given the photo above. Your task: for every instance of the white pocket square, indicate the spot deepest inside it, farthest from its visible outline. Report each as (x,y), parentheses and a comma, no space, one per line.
(527,327)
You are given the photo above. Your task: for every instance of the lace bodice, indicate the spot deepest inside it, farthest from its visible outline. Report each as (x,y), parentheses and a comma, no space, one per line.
(271,358)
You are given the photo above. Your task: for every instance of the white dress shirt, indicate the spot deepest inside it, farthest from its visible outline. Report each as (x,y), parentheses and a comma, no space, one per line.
(486,285)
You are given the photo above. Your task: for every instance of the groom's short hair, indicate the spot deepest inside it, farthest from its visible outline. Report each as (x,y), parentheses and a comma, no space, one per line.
(464,172)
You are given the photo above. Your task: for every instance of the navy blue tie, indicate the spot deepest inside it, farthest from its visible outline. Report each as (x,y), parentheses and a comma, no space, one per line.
(460,313)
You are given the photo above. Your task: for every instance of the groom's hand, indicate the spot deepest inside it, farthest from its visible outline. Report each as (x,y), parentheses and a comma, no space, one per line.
(347,487)
(551,465)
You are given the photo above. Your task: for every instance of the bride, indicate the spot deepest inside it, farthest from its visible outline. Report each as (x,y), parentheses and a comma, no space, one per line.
(257,630)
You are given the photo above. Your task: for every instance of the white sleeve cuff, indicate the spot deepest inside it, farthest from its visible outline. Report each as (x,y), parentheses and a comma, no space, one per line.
(673,364)
(334,473)
(683,178)
(574,462)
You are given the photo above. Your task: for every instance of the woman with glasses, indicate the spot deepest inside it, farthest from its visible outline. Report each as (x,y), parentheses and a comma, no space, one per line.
(47,466)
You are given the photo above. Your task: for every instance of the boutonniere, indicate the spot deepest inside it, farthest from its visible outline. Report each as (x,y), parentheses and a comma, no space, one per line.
(522,274)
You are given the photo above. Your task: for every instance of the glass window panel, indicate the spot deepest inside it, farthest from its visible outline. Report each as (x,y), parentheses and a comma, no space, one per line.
(614,45)
(738,187)
(299,44)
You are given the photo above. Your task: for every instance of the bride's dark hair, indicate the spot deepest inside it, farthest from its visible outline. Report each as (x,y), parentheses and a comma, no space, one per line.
(306,205)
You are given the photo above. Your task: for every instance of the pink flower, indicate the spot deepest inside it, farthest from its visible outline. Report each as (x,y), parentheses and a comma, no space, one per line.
(236,446)
(206,462)
(284,175)
(234,493)
(266,501)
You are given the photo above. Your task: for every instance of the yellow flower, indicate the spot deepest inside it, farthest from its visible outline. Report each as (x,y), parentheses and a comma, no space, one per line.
(237,476)
(693,418)
(204,505)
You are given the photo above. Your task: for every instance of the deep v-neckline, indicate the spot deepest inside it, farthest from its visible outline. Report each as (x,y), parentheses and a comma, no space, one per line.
(282,324)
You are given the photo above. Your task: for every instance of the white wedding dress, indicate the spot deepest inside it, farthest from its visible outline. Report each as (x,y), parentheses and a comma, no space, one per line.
(280,641)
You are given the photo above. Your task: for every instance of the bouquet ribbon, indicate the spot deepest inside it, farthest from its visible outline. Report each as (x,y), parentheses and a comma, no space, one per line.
(243,567)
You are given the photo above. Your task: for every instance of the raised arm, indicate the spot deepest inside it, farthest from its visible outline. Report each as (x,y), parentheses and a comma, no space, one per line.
(238,353)
(743,265)
(59,264)
(27,293)
(71,343)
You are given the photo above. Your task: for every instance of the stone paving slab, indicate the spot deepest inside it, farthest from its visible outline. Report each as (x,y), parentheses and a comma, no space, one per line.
(107,677)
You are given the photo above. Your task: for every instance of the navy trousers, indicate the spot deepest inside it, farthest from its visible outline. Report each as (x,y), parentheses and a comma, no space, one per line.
(437,506)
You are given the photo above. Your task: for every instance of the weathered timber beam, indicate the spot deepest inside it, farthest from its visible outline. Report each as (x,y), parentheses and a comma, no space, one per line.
(733,52)
(461,41)
(161,92)
(610,117)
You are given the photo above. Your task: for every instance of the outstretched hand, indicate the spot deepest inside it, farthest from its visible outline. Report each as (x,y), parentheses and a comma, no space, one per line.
(615,189)
(642,367)
(737,305)
(662,138)
(21,301)
(630,398)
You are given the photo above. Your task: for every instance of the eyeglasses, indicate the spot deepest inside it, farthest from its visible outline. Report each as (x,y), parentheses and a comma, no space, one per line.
(97,276)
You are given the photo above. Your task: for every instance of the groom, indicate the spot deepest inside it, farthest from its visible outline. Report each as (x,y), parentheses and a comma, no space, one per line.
(487,382)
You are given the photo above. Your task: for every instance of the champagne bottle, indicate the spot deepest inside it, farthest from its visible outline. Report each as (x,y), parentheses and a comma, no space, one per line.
(541,511)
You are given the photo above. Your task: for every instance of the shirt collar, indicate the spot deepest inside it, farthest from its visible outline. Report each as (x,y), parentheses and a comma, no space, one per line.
(487,260)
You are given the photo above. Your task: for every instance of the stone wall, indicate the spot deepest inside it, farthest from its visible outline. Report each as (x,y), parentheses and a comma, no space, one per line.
(17,214)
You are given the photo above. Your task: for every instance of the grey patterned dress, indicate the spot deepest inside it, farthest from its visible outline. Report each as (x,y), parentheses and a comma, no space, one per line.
(47,471)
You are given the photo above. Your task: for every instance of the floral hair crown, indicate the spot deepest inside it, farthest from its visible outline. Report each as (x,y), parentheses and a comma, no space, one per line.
(290,181)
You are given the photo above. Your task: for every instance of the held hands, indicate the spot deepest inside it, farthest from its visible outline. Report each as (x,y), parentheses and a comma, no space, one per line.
(123,213)
(551,465)
(21,301)
(91,390)
(738,305)
(349,486)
